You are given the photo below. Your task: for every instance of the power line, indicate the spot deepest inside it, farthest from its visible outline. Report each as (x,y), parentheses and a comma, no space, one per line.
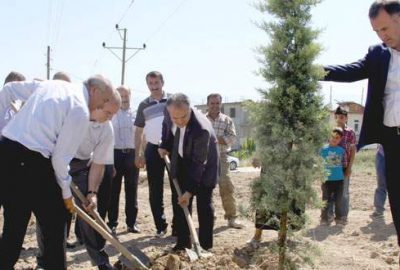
(124,48)
(111,32)
(125,12)
(165,21)
(60,10)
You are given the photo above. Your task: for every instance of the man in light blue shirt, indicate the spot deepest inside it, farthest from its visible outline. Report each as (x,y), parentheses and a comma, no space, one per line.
(124,162)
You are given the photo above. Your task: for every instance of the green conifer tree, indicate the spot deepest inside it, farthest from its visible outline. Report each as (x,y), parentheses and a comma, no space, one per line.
(290,120)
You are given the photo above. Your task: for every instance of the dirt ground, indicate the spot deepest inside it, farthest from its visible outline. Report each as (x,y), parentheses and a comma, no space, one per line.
(365,243)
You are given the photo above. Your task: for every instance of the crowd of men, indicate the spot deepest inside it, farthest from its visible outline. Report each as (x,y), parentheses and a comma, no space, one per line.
(56,132)
(88,134)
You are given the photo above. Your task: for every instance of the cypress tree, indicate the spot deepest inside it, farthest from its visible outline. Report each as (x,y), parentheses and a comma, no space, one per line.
(290,119)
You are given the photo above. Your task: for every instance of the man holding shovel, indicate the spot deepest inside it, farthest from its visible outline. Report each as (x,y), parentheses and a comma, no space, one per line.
(87,170)
(190,139)
(36,149)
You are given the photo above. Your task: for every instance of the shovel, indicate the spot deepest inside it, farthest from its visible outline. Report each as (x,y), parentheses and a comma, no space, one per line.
(77,192)
(198,251)
(130,261)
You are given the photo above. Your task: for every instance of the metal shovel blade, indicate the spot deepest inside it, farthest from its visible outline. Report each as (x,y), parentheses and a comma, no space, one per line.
(192,255)
(143,258)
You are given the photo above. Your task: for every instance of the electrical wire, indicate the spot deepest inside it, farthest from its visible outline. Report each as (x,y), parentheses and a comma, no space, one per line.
(165,21)
(113,31)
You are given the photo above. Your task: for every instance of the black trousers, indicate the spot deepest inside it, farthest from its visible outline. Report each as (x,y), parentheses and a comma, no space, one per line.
(124,163)
(28,185)
(391,146)
(332,194)
(205,212)
(155,167)
(93,241)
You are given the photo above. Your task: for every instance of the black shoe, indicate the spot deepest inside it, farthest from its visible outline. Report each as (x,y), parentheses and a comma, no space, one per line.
(161,234)
(134,229)
(114,230)
(106,266)
(180,247)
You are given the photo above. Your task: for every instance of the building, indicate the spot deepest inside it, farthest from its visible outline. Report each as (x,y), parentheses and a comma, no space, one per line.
(240,116)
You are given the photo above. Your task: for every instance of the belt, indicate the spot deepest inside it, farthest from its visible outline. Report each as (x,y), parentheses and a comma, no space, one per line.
(396,130)
(126,150)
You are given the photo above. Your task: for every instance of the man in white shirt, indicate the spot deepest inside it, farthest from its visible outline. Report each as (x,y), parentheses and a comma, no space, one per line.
(36,149)
(13,76)
(124,162)
(87,170)
(381,66)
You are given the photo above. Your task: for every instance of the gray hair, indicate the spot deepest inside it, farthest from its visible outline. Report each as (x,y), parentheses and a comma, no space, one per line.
(99,82)
(390,6)
(105,86)
(178,100)
(124,88)
(62,76)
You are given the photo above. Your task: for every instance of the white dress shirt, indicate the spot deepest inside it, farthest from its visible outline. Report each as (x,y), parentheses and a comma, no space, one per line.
(124,129)
(98,144)
(4,119)
(181,137)
(51,122)
(391,98)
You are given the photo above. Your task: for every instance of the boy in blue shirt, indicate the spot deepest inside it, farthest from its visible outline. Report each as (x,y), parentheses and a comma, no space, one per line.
(332,188)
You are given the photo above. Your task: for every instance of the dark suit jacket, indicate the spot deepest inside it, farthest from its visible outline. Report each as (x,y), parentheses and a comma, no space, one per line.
(374,67)
(200,151)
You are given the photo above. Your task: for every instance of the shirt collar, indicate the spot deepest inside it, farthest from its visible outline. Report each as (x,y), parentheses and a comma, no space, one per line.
(164,96)
(394,51)
(219,116)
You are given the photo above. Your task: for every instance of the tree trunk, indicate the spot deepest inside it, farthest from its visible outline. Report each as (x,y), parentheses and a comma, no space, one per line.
(282,240)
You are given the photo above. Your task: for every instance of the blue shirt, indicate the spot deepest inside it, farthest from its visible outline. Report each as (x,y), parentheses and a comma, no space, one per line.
(333,160)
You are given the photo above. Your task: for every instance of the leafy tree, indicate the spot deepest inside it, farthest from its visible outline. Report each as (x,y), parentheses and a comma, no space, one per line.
(290,120)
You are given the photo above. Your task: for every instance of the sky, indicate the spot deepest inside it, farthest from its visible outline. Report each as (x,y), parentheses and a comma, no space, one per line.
(199,46)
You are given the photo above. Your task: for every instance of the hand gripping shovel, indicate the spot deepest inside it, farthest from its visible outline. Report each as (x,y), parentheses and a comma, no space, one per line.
(137,261)
(198,251)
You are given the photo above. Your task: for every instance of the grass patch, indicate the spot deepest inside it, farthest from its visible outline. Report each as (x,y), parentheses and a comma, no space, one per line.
(365,162)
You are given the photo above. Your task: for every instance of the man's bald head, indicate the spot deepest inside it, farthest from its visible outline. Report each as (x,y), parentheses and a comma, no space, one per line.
(61,76)
(102,96)
(14,76)
(125,93)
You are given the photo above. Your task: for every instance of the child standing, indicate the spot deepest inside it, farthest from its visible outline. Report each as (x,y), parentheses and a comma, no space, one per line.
(348,142)
(332,188)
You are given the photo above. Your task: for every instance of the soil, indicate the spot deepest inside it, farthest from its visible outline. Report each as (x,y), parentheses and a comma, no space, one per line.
(364,243)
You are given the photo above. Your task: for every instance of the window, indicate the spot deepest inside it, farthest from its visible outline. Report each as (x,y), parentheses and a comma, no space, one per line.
(232,112)
(356,125)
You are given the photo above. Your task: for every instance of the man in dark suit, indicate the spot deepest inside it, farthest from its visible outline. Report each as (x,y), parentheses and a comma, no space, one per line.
(189,136)
(381,66)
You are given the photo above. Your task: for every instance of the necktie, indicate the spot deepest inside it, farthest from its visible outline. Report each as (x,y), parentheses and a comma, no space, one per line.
(175,152)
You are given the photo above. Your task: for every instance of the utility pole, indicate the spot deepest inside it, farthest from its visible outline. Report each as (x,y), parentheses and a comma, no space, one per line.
(124,48)
(362,95)
(330,98)
(48,62)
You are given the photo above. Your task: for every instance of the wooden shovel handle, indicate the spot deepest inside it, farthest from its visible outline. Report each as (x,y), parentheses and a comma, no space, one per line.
(125,252)
(75,189)
(189,220)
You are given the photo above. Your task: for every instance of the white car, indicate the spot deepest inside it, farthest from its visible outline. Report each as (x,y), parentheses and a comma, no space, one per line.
(233,163)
